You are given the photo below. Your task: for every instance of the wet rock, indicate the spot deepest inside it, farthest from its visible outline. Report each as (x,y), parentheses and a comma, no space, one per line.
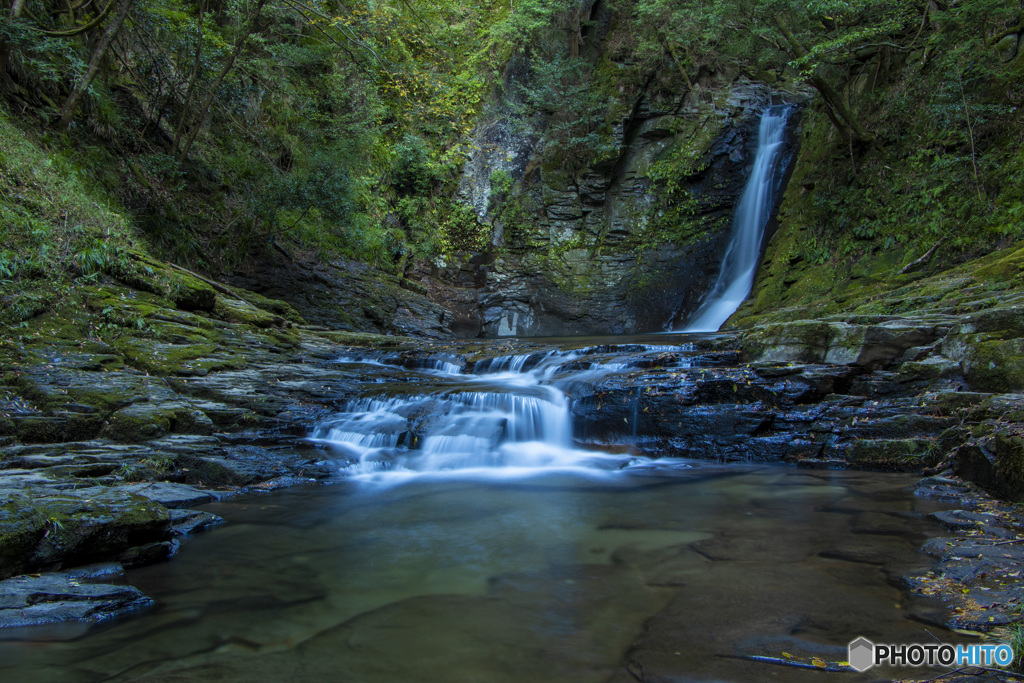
(185,522)
(962,520)
(67,596)
(75,526)
(149,553)
(995,462)
(899,455)
(838,343)
(171,495)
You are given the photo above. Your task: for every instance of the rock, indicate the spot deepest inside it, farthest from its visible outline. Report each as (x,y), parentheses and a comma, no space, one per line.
(139,422)
(75,526)
(150,553)
(995,462)
(171,495)
(838,343)
(192,294)
(65,596)
(901,455)
(238,311)
(185,522)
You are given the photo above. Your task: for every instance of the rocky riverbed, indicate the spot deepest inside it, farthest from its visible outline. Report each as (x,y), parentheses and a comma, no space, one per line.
(121,411)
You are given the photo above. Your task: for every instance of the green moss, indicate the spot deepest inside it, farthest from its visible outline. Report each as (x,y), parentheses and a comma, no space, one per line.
(57,428)
(170,359)
(361,339)
(21,527)
(994,365)
(139,422)
(901,455)
(235,311)
(92,525)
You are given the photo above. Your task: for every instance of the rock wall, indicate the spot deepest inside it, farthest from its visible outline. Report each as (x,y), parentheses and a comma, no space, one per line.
(591,254)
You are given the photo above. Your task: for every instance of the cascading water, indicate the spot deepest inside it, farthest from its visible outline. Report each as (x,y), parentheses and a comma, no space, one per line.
(508,415)
(736,276)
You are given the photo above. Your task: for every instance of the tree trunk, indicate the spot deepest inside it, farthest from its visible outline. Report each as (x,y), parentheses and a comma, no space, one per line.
(243,36)
(833,100)
(94,64)
(5,49)
(192,79)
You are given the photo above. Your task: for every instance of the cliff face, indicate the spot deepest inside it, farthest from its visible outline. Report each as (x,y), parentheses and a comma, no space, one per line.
(593,252)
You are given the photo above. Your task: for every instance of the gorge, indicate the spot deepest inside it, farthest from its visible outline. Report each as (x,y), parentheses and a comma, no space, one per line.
(575,340)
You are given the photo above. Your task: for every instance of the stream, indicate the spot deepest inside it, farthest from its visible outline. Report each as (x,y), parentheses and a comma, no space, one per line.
(471,535)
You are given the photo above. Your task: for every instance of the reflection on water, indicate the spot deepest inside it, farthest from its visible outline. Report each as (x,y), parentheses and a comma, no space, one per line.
(669,574)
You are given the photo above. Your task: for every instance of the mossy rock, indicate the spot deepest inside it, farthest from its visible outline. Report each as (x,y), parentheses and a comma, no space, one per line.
(57,428)
(21,527)
(192,294)
(930,369)
(275,306)
(1007,266)
(139,422)
(1009,450)
(236,311)
(837,343)
(899,455)
(1004,322)
(990,365)
(173,359)
(803,342)
(995,462)
(146,421)
(88,525)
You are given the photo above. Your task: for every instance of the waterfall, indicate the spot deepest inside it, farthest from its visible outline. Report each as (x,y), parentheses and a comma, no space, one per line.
(507,415)
(736,276)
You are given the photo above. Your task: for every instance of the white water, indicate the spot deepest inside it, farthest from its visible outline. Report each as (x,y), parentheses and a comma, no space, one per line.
(736,275)
(510,417)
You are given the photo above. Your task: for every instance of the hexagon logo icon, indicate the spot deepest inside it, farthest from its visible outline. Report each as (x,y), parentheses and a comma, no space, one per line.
(861,654)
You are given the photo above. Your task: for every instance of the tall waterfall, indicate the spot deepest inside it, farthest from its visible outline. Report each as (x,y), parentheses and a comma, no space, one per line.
(736,276)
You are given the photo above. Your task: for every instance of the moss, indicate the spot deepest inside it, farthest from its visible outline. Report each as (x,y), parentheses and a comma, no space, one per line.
(139,422)
(994,365)
(56,428)
(902,455)
(21,527)
(803,341)
(361,339)
(92,525)
(242,312)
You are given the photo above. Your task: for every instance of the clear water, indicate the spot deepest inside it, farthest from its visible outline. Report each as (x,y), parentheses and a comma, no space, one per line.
(736,275)
(468,538)
(681,573)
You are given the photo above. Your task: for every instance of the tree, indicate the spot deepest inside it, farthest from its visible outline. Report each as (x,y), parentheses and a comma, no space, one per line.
(98,55)
(248,17)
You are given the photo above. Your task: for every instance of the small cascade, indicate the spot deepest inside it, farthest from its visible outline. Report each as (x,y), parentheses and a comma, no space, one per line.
(736,275)
(504,415)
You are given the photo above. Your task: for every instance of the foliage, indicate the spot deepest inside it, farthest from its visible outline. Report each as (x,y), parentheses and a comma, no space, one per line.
(330,128)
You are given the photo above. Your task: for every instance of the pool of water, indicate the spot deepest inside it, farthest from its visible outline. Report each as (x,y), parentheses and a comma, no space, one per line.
(673,572)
